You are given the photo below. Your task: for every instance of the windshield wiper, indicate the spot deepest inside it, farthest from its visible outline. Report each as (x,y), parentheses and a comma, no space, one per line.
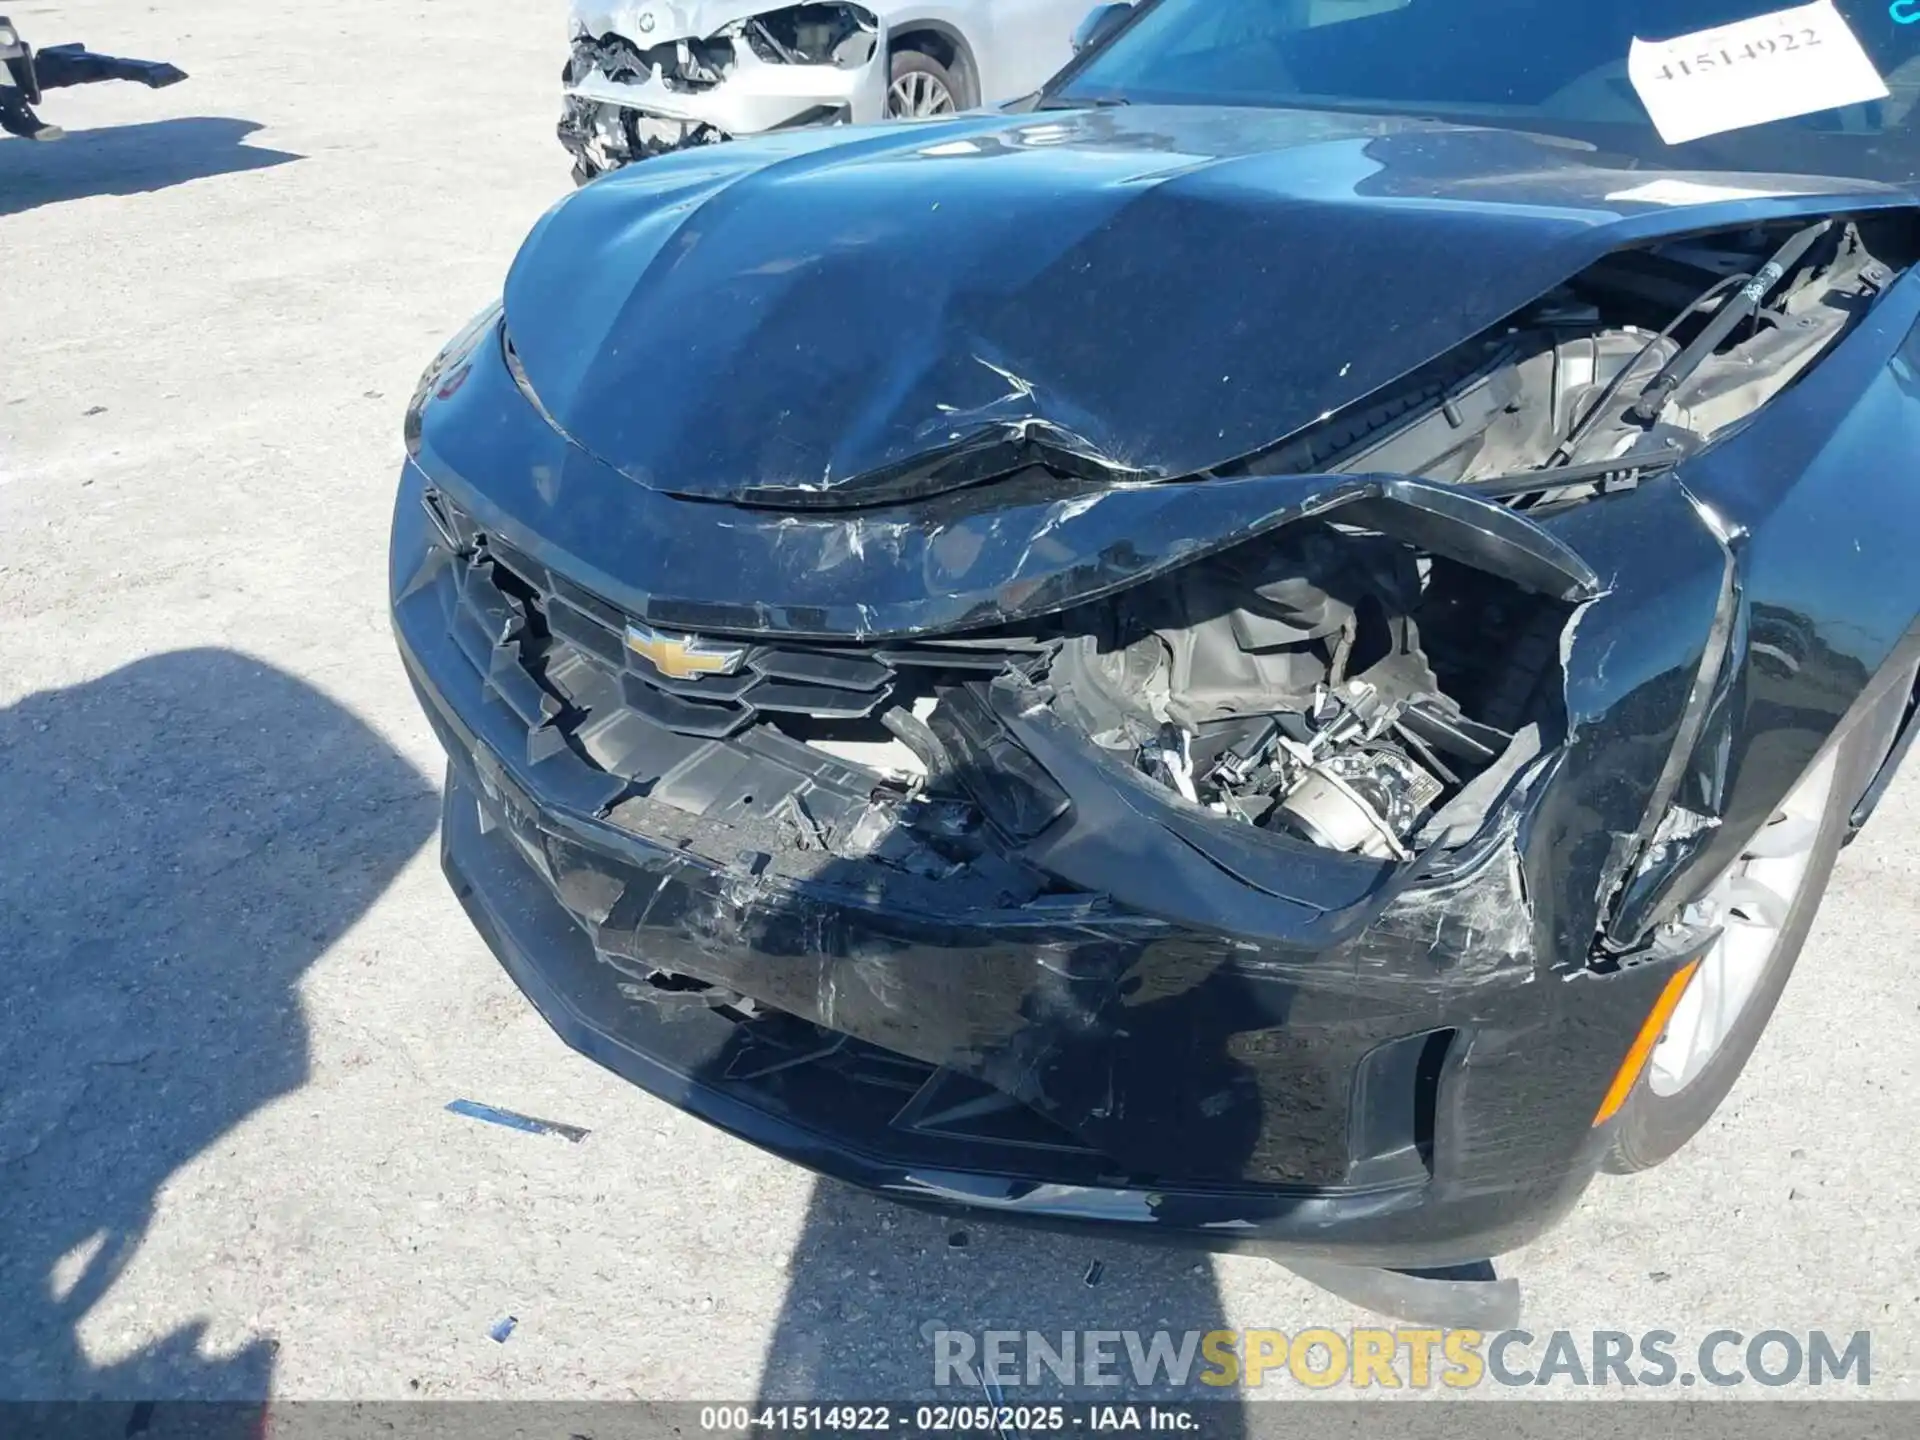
(1653,400)
(1539,482)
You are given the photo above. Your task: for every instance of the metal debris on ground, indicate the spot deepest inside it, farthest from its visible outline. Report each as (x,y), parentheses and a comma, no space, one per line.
(501,1329)
(1095,1271)
(474,1110)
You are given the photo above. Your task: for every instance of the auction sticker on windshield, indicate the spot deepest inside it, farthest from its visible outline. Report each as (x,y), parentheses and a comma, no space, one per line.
(1752,72)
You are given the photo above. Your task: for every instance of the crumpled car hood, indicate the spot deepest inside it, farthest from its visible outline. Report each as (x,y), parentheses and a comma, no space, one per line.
(1153,292)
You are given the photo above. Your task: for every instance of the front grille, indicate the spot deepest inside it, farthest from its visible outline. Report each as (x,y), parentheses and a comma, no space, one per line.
(749,810)
(586,656)
(590,655)
(727,748)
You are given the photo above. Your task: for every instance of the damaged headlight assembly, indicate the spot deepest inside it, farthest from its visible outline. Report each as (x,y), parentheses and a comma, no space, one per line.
(841,35)
(447,371)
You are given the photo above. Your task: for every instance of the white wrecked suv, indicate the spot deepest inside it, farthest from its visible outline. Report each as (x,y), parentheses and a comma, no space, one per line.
(646,77)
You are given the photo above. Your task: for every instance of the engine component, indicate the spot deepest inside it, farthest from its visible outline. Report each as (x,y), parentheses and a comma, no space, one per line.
(1346,787)
(1365,802)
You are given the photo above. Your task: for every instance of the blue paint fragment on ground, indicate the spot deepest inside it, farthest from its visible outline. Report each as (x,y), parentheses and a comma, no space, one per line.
(474,1110)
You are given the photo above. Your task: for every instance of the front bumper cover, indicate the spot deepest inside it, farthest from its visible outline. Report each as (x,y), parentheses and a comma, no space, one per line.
(1403,1082)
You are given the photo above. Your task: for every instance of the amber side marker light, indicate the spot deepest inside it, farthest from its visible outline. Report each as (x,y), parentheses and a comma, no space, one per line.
(1628,1074)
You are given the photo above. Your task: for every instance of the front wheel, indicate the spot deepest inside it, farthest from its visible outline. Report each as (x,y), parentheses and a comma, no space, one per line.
(1765,904)
(921,88)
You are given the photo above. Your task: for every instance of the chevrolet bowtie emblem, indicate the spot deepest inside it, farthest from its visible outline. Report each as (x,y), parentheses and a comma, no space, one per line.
(683,657)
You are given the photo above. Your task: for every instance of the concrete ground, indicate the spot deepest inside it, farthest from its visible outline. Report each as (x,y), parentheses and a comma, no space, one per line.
(235,994)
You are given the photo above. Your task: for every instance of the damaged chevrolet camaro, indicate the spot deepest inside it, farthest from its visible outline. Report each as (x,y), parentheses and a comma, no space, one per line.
(1275,665)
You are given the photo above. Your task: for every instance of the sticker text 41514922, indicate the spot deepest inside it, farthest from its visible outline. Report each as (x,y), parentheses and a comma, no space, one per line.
(1753,72)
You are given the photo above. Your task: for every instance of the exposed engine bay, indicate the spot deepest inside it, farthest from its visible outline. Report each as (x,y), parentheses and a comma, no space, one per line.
(633,90)
(1348,690)
(1290,685)
(1640,360)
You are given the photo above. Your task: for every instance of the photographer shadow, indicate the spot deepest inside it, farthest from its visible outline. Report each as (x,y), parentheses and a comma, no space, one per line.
(179,841)
(872,1285)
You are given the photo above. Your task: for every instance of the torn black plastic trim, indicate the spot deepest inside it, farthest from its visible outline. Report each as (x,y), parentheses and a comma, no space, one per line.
(1666,834)
(1889,767)
(1015,792)
(1232,877)
(1465,527)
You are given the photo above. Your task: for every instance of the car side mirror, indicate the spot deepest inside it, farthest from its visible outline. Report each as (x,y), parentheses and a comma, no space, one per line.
(1101,22)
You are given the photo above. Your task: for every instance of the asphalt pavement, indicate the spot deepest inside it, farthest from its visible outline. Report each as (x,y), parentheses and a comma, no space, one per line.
(236,994)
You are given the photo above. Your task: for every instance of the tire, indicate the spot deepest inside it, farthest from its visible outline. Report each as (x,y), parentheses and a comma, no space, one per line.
(919,87)
(1659,1119)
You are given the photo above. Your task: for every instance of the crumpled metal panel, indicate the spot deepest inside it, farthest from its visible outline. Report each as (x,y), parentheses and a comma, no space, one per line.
(1815,501)
(1148,292)
(977,557)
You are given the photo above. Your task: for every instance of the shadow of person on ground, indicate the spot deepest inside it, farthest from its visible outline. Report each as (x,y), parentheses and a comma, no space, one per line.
(179,841)
(871,1285)
(126,159)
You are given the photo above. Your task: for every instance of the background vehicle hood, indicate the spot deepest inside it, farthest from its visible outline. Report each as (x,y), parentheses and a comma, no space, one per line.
(656,22)
(807,319)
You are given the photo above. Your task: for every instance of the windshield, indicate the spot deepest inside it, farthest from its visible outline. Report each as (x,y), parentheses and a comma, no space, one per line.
(1696,84)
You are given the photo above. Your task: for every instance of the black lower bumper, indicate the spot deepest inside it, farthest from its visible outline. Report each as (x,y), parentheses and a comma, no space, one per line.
(842,1107)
